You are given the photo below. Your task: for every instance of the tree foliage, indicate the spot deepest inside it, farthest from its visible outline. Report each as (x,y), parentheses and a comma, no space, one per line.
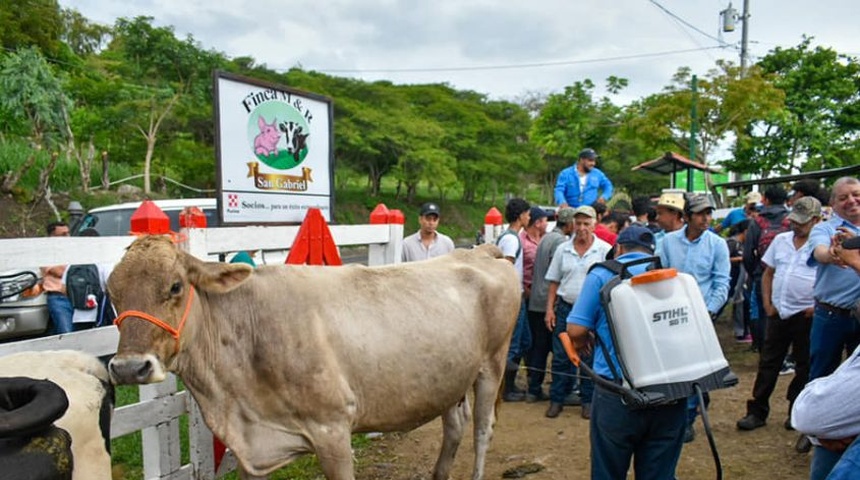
(143,96)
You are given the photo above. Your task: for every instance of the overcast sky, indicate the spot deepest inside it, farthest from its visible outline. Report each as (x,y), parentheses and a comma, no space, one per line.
(502,48)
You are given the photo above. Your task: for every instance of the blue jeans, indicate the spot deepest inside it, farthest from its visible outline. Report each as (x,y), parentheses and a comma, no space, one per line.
(563,370)
(847,466)
(823,461)
(651,437)
(522,337)
(831,334)
(60,310)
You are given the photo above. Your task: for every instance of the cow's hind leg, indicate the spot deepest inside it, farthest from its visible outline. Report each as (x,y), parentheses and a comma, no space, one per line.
(454,421)
(486,394)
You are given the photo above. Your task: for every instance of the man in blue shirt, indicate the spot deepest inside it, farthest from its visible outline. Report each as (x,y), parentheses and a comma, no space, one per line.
(836,290)
(697,251)
(652,437)
(582,184)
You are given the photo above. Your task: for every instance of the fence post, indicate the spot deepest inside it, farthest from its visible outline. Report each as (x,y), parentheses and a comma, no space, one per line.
(391,252)
(492,225)
(162,454)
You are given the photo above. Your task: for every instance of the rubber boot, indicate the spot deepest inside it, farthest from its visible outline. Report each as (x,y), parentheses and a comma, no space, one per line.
(510,393)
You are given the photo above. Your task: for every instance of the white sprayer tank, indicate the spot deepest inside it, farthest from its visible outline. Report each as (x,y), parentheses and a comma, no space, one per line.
(664,336)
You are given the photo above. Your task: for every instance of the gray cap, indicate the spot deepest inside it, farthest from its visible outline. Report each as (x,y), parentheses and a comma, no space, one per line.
(429,208)
(804,209)
(699,203)
(585,210)
(565,215)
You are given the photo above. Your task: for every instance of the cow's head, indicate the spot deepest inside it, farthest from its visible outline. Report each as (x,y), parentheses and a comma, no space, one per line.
(153,289)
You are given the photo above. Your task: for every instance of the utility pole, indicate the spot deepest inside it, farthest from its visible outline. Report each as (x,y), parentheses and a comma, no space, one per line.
(745,18)
(730,16)
(694,87)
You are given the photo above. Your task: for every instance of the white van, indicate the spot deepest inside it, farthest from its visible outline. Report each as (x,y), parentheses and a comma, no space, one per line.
(115,220)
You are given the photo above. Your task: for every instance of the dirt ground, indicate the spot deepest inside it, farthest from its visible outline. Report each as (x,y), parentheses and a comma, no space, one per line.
(559,447)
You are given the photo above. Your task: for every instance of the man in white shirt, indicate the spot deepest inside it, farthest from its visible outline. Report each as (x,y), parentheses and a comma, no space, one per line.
(566,274)
(787,285)
(427,242)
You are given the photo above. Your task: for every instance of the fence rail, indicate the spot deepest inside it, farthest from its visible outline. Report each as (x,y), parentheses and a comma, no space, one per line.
(160,406)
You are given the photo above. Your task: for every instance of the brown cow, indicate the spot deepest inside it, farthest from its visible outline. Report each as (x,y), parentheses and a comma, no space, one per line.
(287,360)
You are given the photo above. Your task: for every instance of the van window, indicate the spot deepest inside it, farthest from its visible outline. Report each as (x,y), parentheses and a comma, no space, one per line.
(118,222)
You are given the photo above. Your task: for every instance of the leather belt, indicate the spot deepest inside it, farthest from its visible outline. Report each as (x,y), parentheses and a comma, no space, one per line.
(833,308)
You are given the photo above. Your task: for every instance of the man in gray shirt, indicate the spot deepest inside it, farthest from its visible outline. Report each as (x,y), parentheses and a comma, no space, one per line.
(541,336)
(427,242)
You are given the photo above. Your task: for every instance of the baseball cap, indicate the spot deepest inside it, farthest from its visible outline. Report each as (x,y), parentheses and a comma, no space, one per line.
(700,203)
(753,197)
(673,200)
(565,215)
(805,209)
(535,214)
(585,210)
(588,153)
(637,235)
(429,208)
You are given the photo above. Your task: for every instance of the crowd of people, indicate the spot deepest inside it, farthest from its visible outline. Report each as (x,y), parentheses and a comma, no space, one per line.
(782,266)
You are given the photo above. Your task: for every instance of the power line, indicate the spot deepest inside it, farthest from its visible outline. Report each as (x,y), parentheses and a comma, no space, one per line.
(688,24)
(521,65)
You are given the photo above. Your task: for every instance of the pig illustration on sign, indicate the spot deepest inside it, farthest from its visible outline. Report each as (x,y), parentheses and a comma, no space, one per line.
(266,143)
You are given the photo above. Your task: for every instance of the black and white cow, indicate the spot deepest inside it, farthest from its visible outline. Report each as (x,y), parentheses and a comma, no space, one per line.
(296,140)
(86,383)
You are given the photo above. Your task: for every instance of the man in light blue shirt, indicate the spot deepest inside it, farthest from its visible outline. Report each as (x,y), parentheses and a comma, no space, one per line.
(582,184)
(836,290)
(699,252)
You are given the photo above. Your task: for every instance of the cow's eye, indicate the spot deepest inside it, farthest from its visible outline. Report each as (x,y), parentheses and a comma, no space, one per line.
(176,288)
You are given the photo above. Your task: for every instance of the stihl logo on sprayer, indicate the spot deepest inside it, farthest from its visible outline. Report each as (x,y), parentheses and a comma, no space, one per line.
(675,316)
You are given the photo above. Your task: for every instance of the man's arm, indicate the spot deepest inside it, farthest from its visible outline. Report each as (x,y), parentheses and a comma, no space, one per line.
(549,318)
(606,187)
(767,291)
(721,275)
(828,407)
(561,187)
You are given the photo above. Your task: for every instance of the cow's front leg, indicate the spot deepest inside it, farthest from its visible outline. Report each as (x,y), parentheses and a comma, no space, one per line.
(332,444)
(243,475)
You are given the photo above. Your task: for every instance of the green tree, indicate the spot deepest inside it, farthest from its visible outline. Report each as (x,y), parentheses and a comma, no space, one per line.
(36,23)
(818,127)
(726,104)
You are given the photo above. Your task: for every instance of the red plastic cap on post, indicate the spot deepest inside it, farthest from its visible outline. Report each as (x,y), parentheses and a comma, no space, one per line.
(379,215)
(148,218)
(192,217)
(396,217)
(493,217)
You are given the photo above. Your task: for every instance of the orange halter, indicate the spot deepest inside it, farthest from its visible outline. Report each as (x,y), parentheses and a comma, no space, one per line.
(174,332)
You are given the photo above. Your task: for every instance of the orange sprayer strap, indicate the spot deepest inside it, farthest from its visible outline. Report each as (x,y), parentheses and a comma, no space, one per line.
(568,348)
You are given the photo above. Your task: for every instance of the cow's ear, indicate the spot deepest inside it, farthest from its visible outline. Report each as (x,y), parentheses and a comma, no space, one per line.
(219,277)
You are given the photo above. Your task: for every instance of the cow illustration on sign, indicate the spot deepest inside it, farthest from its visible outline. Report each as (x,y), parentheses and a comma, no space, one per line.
(278,134)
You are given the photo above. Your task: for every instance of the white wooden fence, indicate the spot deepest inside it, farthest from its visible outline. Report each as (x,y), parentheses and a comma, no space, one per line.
(157,414)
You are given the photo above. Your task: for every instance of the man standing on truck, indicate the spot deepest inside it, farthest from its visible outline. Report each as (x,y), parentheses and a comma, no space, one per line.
(583,183)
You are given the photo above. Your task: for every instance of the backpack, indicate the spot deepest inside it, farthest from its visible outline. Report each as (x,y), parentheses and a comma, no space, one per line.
(769,230)
(82,281)
(519,244)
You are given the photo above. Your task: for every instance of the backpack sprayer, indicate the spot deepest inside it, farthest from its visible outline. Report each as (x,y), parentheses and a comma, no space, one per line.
(664,340)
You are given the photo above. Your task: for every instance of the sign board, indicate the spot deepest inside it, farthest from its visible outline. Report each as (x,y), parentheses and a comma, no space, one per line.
(275,152)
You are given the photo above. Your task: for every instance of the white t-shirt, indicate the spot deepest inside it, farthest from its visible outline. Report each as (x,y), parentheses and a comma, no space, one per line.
(509,244)
(793,279)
